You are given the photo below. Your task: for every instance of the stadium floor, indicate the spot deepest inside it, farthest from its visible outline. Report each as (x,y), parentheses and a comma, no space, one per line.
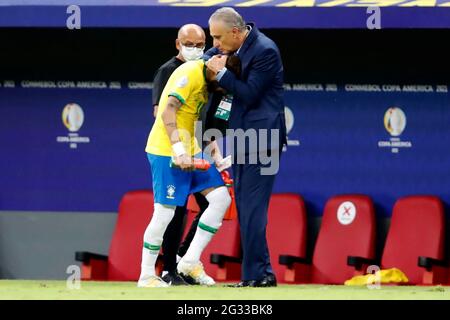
(55,290)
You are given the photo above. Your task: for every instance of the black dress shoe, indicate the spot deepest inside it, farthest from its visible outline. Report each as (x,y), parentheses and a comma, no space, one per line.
(241,284)
(267,281)
(175,279)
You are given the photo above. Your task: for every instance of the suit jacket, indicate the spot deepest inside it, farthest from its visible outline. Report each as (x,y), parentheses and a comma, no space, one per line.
(258,95)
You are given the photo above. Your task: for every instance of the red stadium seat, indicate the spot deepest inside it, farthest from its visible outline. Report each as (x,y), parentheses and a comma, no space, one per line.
(345,243)
(222,256)
(415,241)
(224,251)
(125,253)
(286,232)
(286,216)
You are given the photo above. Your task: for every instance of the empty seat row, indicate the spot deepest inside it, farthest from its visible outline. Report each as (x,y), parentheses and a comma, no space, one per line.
(345,244)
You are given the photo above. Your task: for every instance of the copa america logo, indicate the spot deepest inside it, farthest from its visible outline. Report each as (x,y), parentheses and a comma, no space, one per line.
(395,124)
(289,116)
(73,117)
(395,121)
(290,120)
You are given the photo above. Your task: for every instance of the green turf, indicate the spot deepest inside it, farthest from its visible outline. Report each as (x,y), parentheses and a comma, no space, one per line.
(27,289)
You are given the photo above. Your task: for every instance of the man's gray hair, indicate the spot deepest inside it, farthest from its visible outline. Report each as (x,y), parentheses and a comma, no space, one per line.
(229,17)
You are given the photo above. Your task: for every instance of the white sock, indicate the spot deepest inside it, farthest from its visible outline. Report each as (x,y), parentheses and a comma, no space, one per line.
(219,200)
(153,238)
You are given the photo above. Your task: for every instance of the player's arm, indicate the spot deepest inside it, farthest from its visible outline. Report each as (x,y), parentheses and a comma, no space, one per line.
(221,163)
(169,117)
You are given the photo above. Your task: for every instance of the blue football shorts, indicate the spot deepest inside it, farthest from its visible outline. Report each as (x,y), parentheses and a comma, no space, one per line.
(172,186)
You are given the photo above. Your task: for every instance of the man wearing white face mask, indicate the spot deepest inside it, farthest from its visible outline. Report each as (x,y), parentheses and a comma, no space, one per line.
(190,44)
(191,53)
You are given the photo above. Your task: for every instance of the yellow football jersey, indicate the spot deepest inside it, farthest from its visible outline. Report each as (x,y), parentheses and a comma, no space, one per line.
(188,84)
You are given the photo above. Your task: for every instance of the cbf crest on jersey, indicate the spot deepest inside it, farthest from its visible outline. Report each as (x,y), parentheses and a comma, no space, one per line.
(170,192)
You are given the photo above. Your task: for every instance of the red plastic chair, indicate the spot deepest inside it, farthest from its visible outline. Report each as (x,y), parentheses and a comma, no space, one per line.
(286,232)
(123,262)
(345,243)
(222,256)
(415,241)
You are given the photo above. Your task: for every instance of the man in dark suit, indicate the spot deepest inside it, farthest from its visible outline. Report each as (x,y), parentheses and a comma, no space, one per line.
(258,120)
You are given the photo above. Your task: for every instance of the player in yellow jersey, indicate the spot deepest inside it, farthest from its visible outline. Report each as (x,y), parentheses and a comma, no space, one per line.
(172,139)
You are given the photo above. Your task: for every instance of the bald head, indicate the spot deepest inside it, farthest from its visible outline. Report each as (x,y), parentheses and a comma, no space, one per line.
(190,42)
(191,30)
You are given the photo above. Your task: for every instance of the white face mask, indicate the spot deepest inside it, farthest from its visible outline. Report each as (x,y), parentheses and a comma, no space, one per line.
(191,53)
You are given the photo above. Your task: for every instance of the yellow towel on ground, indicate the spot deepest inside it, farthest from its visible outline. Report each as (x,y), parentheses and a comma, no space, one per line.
(393,275)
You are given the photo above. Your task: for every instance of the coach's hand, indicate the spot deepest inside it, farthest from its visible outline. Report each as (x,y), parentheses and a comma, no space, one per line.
(216,63)
(184,162)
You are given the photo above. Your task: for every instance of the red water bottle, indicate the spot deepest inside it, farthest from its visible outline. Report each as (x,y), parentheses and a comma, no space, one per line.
(232,210)
(199,164)
(226,178)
